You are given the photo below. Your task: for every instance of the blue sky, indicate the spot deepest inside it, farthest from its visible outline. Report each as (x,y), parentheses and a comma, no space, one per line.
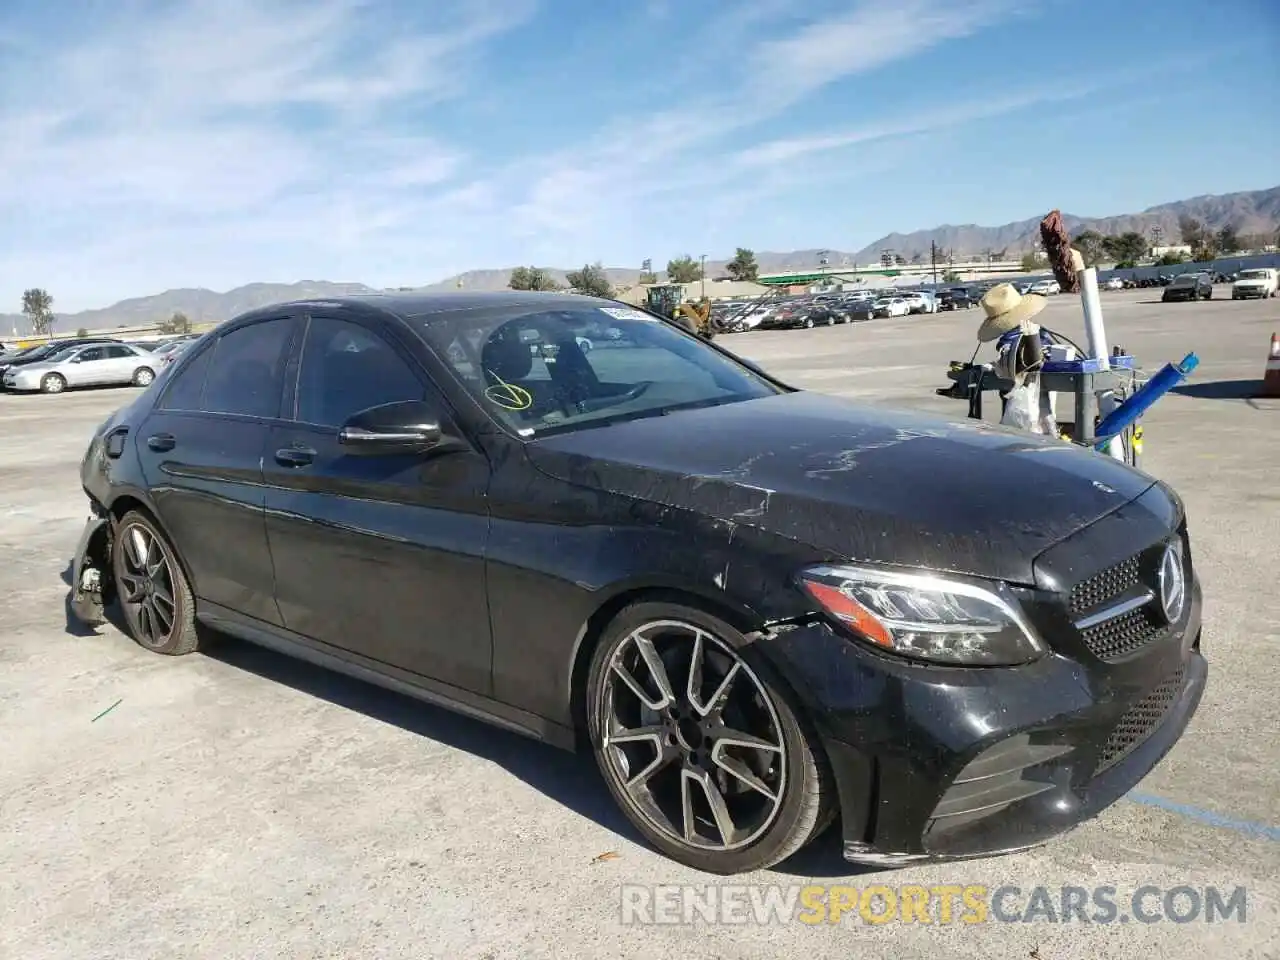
(151,144)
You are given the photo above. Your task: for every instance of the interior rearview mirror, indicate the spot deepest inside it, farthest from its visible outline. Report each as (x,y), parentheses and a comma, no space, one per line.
(407,426)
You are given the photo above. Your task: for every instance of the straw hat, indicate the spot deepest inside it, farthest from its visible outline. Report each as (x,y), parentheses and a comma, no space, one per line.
(1006,310)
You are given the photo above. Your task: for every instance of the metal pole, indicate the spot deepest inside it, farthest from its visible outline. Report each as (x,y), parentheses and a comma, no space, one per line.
(704,276)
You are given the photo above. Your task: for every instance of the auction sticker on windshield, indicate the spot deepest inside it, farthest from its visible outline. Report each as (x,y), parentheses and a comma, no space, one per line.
(625,313)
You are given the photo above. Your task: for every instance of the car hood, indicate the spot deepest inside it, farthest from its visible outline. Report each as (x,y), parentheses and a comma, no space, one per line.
(33,367)
(861,482)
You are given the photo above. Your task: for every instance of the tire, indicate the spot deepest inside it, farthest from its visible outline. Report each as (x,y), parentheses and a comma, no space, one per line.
(143,377)
(808,323)
(770,824)
(150,582)
(53,383)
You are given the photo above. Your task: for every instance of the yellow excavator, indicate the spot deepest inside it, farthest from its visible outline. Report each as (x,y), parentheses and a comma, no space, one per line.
(695,316)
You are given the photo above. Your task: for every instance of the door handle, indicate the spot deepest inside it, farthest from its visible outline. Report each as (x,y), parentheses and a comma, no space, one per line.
(295,456)
(162,442)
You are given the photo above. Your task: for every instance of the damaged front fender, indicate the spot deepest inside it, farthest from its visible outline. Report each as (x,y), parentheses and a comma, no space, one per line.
(91,581)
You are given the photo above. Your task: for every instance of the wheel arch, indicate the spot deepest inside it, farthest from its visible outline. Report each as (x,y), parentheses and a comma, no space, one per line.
(592,631)
(132,500)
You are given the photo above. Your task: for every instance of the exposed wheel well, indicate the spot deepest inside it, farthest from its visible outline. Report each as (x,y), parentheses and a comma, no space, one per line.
(599,622)
(125,503)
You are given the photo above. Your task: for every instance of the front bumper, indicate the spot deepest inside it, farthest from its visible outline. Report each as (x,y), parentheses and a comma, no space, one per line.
(91,571)
(936,763)
(1244,293)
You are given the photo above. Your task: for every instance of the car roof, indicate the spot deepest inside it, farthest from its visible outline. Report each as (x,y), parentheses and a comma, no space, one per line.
(408,306)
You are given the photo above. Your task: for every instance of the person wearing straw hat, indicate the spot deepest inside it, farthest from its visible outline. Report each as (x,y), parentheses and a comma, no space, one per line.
(1021,342)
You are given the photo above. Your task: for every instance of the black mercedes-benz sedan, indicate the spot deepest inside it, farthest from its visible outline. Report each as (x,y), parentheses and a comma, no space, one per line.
(762,610)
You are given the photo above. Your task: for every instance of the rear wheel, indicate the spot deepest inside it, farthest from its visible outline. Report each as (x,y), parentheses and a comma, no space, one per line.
(152,588)
(143,377)
(700,744)
(53,383)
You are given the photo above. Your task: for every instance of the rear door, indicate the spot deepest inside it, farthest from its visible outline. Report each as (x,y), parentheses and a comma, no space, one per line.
(201,452)
(382,556)
(119,364)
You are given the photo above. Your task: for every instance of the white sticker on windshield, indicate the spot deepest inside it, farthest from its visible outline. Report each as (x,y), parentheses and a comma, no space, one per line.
(626,313)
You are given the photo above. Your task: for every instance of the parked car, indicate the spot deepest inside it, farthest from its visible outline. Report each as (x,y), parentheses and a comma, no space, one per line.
(166,353)
(1260,282)
(920,302)
(1045,288)
(663,554)
(43,351)
(956,298)
(891,307)
(1115,283)
(1188,286)
(86,365)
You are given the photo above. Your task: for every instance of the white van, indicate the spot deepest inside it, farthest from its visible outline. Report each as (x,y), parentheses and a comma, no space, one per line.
(1256,282)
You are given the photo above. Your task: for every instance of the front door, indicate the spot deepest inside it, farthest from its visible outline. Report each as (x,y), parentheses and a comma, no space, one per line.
(201,451)
(382,556)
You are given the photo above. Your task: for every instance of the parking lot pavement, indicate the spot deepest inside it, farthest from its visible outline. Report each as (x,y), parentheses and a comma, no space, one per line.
(240,805)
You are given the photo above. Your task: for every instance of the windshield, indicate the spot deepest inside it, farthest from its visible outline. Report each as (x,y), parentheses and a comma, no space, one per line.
(1187,279)
(1253,274)
(566,369)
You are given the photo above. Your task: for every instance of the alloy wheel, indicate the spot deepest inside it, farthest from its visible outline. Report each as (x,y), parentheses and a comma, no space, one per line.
(53,383)
(147,585)
(691,736)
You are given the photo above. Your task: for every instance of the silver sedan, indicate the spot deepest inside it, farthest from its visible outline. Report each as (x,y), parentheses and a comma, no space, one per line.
(91,365)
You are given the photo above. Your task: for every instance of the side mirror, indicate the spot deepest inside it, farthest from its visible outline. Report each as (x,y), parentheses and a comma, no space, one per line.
(407,426)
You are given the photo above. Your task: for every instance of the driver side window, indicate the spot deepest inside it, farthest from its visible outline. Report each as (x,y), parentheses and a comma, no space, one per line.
(347,368)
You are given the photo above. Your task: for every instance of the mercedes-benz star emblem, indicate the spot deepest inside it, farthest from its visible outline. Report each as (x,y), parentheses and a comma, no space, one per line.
(1173,583)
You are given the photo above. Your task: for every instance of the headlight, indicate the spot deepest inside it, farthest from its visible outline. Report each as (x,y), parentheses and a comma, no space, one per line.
(927,616)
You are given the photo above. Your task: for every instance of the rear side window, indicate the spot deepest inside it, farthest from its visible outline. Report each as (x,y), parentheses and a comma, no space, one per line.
(186,389)
(245,375)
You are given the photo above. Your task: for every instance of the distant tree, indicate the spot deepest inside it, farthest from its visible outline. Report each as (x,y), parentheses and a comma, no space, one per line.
(590,281)
(1126,249)
(531,278)
(1171,258)
(917,259)
(1206,249)
(37,304)
(743,266)
(1092,246)
(683,269)
(178,323)
(82,332)
(648,276)
(1032,261)
(1192,231)
(1229,239)
(951,277)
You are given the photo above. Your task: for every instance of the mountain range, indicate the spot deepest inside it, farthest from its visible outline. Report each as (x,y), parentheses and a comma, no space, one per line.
(1249,212)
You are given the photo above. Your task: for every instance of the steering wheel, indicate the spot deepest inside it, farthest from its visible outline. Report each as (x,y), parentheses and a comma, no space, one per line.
(592,404)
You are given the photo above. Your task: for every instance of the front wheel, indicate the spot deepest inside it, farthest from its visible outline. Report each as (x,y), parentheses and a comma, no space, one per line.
(53,383)
(143,377)
(152,588)
(700,744)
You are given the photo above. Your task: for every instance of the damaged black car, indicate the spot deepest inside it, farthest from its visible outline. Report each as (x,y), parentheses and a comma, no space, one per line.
(766,612)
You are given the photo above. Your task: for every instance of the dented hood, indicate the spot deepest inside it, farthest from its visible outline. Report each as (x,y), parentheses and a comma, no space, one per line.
(863,482)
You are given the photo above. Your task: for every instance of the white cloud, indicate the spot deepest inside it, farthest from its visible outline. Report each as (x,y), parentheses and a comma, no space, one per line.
(220,123)
(212,142)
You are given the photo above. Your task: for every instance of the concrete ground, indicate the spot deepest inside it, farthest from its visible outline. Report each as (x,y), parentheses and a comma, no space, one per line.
(240,805)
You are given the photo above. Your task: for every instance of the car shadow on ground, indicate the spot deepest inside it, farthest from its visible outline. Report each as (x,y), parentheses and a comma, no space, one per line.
(569,779)
(1220,389)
